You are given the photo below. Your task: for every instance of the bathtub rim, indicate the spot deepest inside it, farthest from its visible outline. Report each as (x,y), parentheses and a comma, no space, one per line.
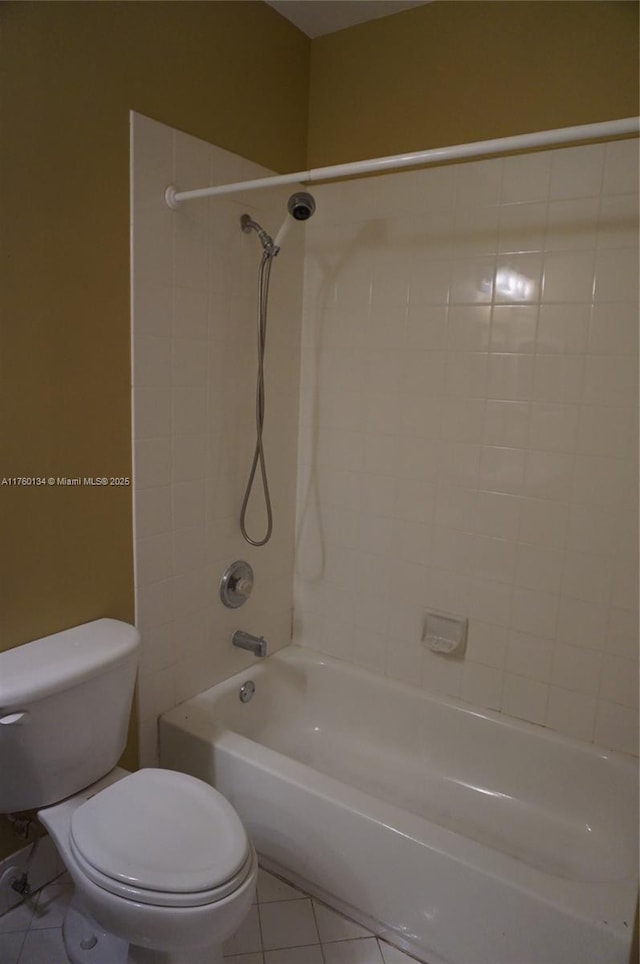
(295,653)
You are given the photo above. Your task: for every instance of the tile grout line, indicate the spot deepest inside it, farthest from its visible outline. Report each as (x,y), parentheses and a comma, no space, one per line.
(262,951)
(315,918)
(19,957)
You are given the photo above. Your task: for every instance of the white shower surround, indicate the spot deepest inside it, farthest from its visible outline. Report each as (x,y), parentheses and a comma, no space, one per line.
(467,427)
(468,432)
(194,361)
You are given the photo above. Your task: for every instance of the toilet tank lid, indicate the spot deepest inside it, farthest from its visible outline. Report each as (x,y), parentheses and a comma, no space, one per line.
(54,663)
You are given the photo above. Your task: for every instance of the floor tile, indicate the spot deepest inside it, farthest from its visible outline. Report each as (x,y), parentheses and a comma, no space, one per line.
(18,918)
(246,940)
(391,955)
(10,947)
(270,888)
(295,955)
(332,926)
(51,905)
(288,923)
(364,951)
(43,947)
(256,958)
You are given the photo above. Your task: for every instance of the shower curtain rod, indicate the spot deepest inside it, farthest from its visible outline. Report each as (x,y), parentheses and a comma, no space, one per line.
(437,155)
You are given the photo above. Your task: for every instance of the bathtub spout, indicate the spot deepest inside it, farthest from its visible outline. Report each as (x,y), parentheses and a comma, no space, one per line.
(255,644)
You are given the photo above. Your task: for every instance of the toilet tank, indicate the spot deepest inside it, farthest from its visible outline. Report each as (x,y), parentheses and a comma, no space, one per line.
(65,702)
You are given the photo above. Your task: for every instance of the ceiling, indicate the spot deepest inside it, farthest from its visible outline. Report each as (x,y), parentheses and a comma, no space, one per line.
(318,17)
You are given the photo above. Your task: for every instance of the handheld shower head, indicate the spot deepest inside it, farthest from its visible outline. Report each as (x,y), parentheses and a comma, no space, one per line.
(248,224)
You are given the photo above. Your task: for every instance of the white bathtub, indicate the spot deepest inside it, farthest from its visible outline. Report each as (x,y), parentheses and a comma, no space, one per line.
(462,836)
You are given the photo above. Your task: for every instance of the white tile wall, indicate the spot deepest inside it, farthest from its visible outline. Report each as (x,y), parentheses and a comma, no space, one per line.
(468,427)
(194,303)
(468,431)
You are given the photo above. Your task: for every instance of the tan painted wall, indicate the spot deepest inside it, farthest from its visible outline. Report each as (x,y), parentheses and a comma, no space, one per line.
(72,72)
(455,71)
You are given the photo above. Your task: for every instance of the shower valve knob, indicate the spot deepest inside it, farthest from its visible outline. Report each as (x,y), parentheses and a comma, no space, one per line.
(236,584)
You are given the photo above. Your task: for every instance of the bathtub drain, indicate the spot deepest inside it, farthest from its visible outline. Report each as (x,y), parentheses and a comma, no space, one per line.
(247,690)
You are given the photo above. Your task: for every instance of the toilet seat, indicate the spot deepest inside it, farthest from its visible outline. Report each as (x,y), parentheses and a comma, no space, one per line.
(165,898)
(161,837)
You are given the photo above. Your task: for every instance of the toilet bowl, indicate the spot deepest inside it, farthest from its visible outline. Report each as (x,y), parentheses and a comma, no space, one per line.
(162,866)
(163,870)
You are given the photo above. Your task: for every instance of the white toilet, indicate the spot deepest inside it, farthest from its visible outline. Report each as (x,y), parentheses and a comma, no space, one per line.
(163,869)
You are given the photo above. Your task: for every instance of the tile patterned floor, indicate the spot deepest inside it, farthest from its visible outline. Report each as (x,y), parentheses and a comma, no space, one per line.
(284,926)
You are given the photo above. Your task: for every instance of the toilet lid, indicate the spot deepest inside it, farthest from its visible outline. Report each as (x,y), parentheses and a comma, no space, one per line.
(162,831)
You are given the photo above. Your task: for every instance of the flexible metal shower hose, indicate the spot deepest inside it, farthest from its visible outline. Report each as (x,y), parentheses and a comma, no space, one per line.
(264,274)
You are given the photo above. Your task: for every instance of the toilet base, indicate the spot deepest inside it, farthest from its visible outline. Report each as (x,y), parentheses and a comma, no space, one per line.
(86,942)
